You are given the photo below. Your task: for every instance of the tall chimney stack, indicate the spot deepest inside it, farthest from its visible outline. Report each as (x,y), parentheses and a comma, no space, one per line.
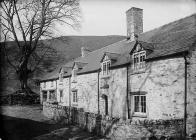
(84,51)
(134,23)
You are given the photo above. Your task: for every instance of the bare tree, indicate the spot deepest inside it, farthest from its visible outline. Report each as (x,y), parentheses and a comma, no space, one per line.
(33,20)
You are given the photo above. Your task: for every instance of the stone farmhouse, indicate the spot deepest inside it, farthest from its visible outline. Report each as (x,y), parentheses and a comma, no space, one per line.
(150,75)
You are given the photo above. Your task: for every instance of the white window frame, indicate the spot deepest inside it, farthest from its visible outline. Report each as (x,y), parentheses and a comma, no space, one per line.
(142,109)
(75,96)
(106,67)
(140,64)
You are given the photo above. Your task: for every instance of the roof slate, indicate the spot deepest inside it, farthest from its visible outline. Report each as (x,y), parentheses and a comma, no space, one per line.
(169,39)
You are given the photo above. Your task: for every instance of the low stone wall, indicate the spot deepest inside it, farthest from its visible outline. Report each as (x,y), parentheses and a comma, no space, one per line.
(147,129)
(115,128)
(56,112)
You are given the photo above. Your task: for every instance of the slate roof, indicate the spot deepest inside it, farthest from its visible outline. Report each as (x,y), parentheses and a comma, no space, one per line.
(169,39)
(112,56)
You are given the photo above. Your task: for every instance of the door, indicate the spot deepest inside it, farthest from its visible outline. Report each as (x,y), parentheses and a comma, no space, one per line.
(106,105)
(44,95)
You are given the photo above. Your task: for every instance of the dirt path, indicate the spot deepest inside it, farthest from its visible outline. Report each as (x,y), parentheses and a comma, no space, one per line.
(27,122)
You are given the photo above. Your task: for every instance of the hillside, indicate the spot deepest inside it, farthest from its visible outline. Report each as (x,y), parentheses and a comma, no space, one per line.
(65,48)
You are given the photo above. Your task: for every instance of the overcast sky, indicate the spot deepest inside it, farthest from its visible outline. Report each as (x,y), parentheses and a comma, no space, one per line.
(107,17)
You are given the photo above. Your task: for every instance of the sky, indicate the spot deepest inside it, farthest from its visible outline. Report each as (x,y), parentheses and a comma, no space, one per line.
(107,17)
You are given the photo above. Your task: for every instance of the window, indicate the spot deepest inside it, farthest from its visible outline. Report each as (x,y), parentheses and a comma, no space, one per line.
(61,95)
(44,85)
(139,60)
(140,103)
(52,83)
(75,96)
(52,95)
(106,67)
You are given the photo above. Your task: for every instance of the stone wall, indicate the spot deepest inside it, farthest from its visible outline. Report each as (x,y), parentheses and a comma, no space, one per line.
(114,128)
(163,85)
(65,88)
(116,93)
(191,94)
(56,112)
(87,90)
(146,129)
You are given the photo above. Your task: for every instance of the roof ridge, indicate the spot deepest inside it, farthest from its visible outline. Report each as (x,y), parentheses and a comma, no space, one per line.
(107,45)
(93,51)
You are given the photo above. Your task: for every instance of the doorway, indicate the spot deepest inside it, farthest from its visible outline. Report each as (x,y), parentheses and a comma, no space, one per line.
(44,96)
(106,105)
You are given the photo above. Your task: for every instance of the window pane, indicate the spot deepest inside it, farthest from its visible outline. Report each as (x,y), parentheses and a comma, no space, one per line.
(75,96)
(141,58)
(136,99)
(104,68)
(134,60)
(143,103)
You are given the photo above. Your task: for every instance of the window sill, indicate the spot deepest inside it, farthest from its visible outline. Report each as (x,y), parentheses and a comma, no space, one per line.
(60,83)
(74,104)
(140,115)
(74,81)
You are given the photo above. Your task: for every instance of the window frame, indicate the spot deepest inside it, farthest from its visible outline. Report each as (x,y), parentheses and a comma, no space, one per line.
(75,96)
(44,85)
(137,57)
(142,106)
(52,84)
(106,67)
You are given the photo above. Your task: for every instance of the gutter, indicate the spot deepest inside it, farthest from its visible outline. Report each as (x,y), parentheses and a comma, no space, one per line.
(69,91)
(88,72)
(56,89)
(69,117)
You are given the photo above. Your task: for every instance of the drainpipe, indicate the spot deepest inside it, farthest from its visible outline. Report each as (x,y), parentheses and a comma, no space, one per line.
(41,95)
(69,117)
(185,95)
(56,90)
(128,92)
(69,91)
(98,93)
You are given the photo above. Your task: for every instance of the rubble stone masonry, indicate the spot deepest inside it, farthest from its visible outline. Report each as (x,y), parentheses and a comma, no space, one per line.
(191,94)
(163,85)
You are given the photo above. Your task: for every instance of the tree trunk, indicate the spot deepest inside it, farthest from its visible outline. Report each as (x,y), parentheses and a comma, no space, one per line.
(23,77)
